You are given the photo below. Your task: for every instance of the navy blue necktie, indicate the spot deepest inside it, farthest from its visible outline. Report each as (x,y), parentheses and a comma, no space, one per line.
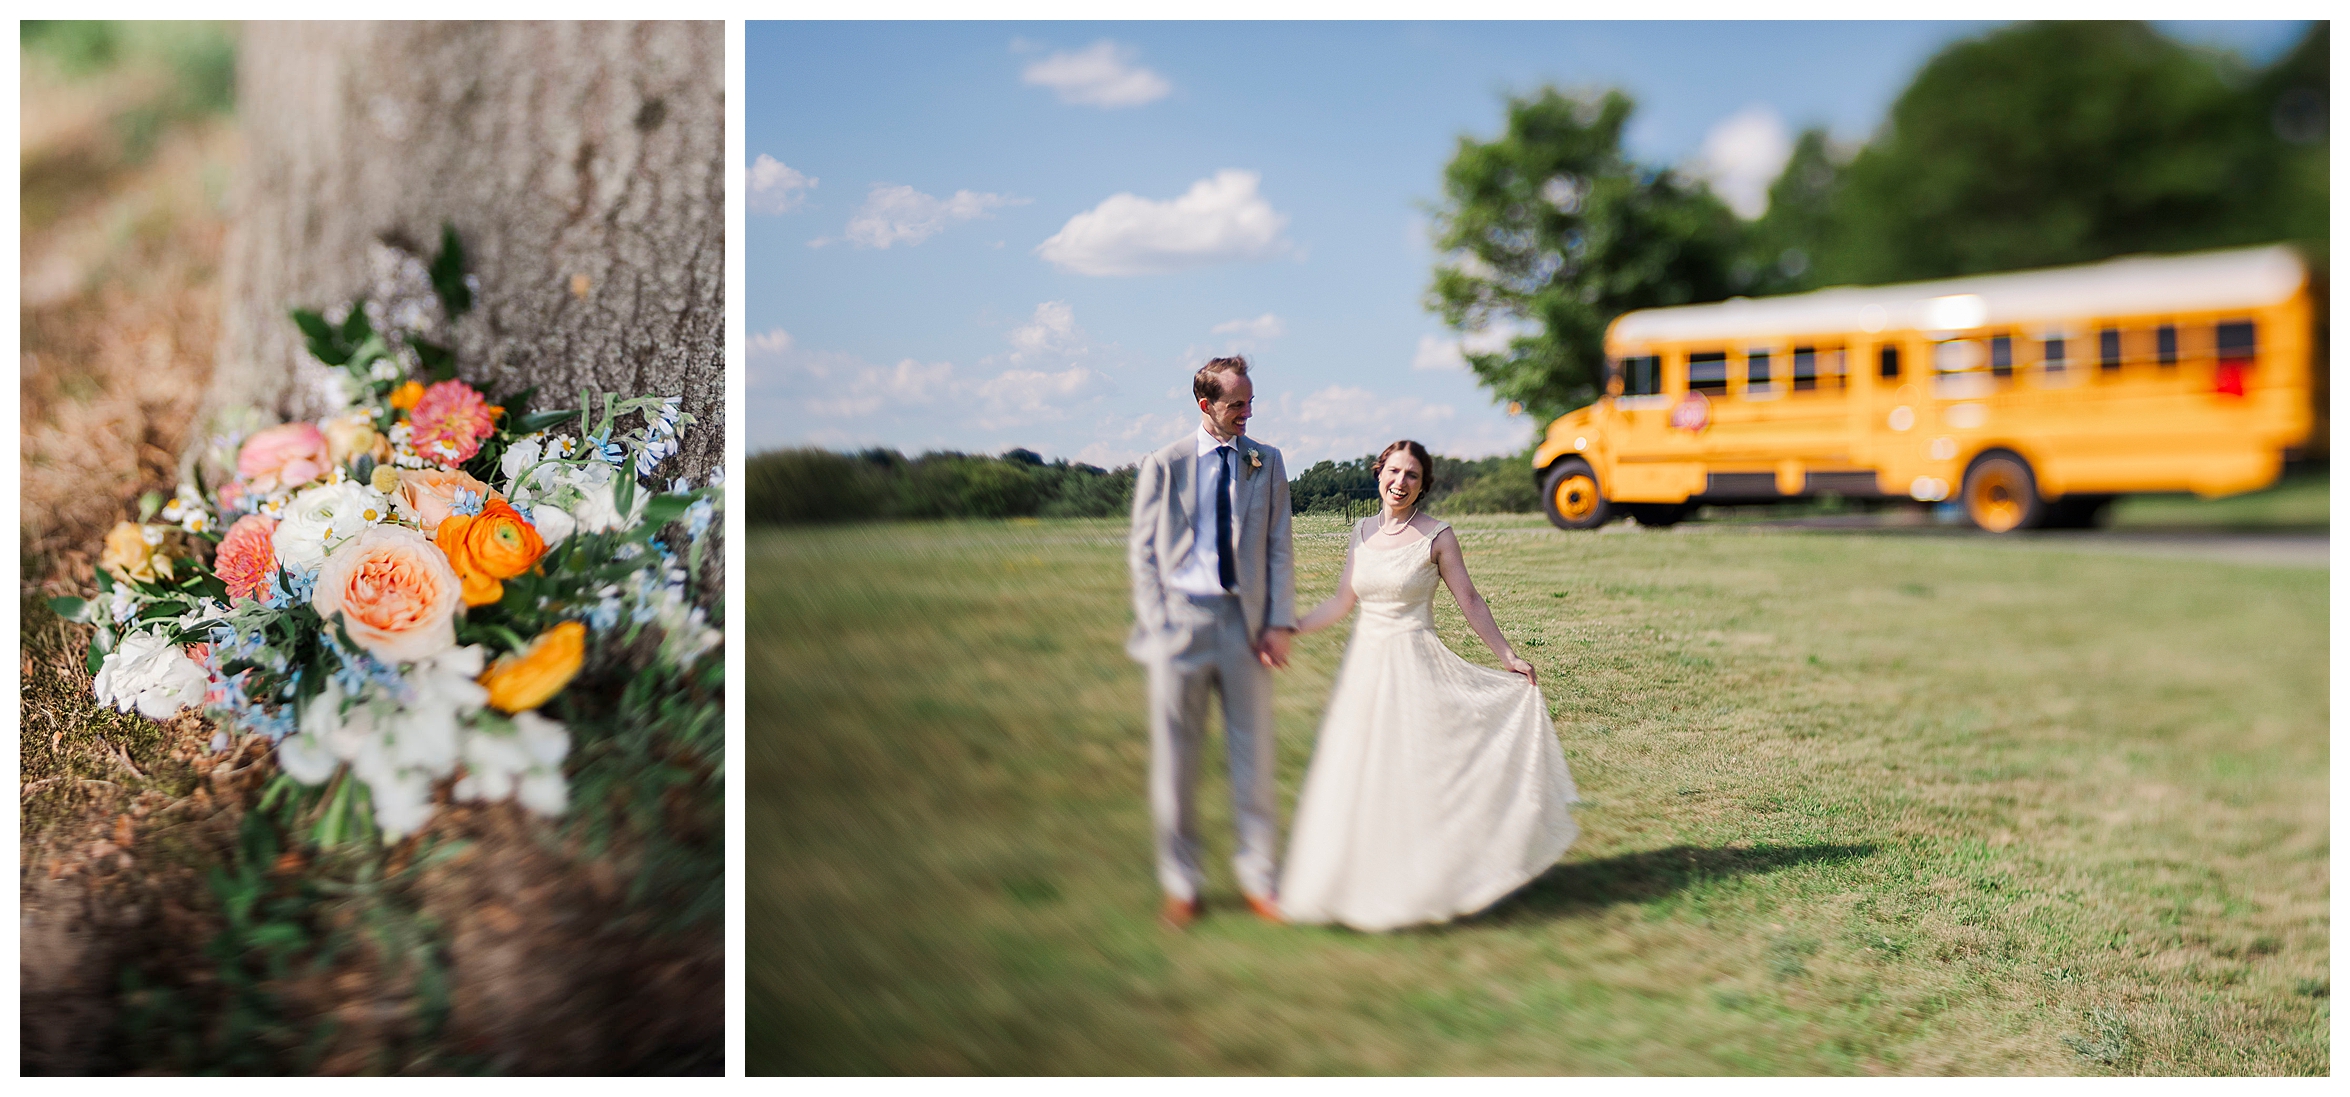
(1225,570)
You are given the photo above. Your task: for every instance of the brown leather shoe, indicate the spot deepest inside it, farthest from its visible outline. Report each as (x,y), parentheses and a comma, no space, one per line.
(1266,909)
(1177,913)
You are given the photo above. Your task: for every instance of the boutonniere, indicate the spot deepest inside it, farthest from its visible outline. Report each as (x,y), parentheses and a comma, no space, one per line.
(1256,460)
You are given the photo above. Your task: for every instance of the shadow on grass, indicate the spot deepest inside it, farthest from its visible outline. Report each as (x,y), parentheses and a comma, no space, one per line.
(1571,889)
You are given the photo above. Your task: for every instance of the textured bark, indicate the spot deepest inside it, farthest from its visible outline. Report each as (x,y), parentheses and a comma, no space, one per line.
(582,165)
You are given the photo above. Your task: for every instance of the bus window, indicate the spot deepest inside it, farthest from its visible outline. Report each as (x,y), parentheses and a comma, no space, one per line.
(2002,358)
(1805,370)
(1709,372)
(1641,376)
(2166,345)
(1888,361)
(2052,354)
(1831,367)
(2236,347)
(2109,350)
(1758,371)
(2235,340)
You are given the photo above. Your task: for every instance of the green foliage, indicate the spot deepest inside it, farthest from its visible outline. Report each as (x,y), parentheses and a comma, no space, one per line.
(1501,484)
(795,486)
(1550,229)
(2050,143)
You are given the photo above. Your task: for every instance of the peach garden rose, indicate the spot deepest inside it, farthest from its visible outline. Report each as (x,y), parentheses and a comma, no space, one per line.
(424,496)
(395,592)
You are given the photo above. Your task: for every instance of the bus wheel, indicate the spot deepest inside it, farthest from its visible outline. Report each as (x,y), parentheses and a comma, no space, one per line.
(2001,495)
(1570,496)
(1658,515)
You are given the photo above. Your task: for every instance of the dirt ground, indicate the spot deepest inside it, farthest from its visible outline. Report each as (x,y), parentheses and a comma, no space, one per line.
(519,953)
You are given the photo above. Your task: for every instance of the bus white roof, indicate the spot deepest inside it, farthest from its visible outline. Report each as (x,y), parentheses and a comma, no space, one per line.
(2134,285)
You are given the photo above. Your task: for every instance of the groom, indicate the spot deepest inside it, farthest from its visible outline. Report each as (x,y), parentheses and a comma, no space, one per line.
(1209,550)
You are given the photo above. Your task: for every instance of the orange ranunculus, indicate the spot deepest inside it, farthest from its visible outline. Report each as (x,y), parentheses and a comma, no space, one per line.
(528,678)
(406,395)
(489,547)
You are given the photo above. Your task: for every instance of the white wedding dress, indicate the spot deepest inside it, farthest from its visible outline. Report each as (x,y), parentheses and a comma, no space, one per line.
(1437,786)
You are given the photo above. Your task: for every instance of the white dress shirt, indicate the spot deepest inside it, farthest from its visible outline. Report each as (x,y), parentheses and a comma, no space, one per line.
(1198,573)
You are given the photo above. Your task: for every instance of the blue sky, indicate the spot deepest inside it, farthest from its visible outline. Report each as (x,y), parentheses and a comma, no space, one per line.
(976,236)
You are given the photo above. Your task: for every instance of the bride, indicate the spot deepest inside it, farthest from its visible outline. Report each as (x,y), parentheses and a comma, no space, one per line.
(1437,785)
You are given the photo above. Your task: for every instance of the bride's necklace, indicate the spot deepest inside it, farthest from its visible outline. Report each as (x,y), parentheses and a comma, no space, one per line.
(1407,522)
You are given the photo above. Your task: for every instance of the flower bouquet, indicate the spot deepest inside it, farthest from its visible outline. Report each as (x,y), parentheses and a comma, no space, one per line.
(400,588)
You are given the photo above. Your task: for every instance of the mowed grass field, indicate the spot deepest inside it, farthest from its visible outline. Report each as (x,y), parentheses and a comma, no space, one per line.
(1855,804)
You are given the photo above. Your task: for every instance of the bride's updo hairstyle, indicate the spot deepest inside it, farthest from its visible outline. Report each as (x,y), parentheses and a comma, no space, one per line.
(1419,453)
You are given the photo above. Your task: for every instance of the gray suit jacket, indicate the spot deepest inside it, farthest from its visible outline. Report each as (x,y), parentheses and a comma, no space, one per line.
(1164,498)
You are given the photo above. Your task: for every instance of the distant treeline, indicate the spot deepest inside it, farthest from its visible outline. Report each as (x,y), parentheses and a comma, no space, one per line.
(797,486)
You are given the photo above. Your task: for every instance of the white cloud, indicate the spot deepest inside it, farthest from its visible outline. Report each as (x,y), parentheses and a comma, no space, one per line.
(1742,155)
(1051,330)
(1026,397)
(1219,220)
(1267,326)
(773,341)
(899,214)
(1439,353)
(1100,75)
(774,187)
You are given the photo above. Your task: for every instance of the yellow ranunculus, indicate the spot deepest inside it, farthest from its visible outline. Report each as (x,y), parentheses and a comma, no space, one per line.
(530,677)
(131,556)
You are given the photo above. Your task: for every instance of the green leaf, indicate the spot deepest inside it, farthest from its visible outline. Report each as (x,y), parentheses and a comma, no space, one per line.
(624,492)
(320,336)
(68,608)
(95,659)
(663,509)
(448,274)
(541,420)
(438,361)
(356,329)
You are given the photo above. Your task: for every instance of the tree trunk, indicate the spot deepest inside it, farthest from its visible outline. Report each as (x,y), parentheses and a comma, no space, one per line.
(582,168)
(582,165)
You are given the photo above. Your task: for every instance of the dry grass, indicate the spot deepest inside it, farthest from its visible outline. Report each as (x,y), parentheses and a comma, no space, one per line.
(1855,805)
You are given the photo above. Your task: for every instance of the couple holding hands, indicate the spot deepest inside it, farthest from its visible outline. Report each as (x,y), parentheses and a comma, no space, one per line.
(1437,786)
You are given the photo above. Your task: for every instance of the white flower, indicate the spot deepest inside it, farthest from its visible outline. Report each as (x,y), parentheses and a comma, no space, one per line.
(323,517)
(150,673)
(518,459)
(526,764)
(553,523)
(403,802)
(424,732)
(594,510)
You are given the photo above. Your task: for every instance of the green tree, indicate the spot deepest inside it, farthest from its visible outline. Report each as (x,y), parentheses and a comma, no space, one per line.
(1552,232)
(2048,143)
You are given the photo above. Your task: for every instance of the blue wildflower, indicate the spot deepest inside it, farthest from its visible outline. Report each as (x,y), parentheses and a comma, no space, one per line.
(467,503)
(697,517)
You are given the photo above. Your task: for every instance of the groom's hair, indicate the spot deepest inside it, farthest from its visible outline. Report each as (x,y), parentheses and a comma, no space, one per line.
(1205,386)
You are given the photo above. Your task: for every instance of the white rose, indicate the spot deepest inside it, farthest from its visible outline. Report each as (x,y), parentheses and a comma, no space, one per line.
(151,674)
(553,523)
(323,517)
(595,512)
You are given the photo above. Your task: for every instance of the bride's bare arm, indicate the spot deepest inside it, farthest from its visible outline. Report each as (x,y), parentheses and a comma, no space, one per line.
(1473,607)
(1332,611)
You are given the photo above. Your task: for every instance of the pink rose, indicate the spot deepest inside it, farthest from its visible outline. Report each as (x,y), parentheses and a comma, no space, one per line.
(396,593)
(285,456)
(245,561)
(425,495)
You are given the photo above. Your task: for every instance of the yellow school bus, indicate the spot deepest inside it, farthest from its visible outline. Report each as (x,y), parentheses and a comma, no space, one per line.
(2032,398)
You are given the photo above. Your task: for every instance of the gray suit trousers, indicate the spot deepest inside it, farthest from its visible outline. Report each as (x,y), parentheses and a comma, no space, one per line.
(1207,647)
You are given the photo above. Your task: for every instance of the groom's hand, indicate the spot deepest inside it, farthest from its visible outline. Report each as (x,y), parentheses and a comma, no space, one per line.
(1273,647)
